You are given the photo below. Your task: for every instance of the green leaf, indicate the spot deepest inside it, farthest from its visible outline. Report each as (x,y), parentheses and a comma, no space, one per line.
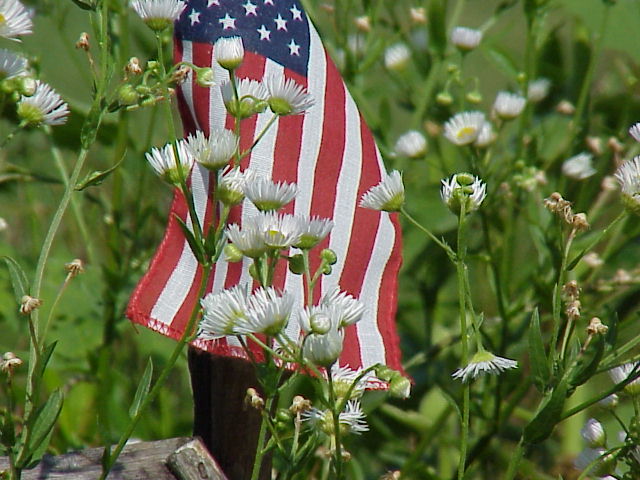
(97,177)
(18,278)
(196,248)
(42,425)
(502,61)
(537,354)
(85,5)
(143,389)
(549,414)
(44,359)
(587,362)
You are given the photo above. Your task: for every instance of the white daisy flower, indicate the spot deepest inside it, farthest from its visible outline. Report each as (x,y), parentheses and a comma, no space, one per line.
(229,52)
(158,14)
(44,107)
(464,128)
(323,349)
(11,65)
(15,19)
(486,136)
(621,373)
(344,308)
(388,195)
(634,131)
(345,379)
(267,195)
(313,231)
(484,362)
(214,152)
(579,167)
(279,231)
(163,162)
(222,311)
(628,175)
(250,241)
(466,39)
(286,97)
(231,182)
(315,319)
(509,105)
(599,462)
(251,97)
(610,401)
(351,420)
(463,187)
(412,144)
(396,57)
(593,433)
(268,312)
(538,90)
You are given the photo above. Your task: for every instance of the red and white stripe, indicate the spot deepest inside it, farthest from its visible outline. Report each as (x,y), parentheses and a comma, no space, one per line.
(330,154)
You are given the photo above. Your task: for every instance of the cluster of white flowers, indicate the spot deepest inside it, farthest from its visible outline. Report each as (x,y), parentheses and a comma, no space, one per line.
(38,104)
(463,189)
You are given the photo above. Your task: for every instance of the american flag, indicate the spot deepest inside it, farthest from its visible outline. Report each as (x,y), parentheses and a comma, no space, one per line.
(328,152)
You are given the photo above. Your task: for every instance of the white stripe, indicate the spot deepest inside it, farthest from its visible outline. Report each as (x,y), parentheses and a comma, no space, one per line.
(346,192)
(372,349)
(187,85)
(182,277)
(217,110)
(309,151)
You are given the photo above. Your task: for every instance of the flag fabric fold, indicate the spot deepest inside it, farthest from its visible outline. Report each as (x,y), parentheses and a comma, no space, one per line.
(328,152)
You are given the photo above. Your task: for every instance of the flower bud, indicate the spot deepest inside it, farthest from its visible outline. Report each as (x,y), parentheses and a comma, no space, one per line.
(229,52)
(329,256)
(296,264)
(232,253)
(205,77)
(127,95)
(400,386)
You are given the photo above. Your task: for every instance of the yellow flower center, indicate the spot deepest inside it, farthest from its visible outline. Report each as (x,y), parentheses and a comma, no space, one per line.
(465,132)
(3,19)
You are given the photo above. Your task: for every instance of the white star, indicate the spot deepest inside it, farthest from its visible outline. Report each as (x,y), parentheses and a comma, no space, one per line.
(268,2)
(294,48)
(212,2)
(281,22)
(194,16)
(297,14)
(264,33)
(250,9)
(228,22)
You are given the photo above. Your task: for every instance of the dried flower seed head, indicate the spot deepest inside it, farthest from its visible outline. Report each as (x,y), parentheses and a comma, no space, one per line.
(466,39)
(387,196)
(411,144)
(15,19)
(395,475)
(418,15)
(572,310)
(509,105)
(9,363)
(180,74)
(299,404)
(570,290)
(74,267)
(622,277)
(559,206)
(579,222)
(133,66)
(397,57)
(363,23)
(28,304)
(253,399)
(596,327)
(463,191)
(229,52)
(594,144)
(628,176)
(158,14)
(83,42)
(565,107)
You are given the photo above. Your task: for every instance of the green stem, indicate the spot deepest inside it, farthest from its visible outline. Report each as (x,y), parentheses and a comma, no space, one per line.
(516,458)
(162,378)
(439,242)
(260,135)
(557,302)
(461,270)
(335,411)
